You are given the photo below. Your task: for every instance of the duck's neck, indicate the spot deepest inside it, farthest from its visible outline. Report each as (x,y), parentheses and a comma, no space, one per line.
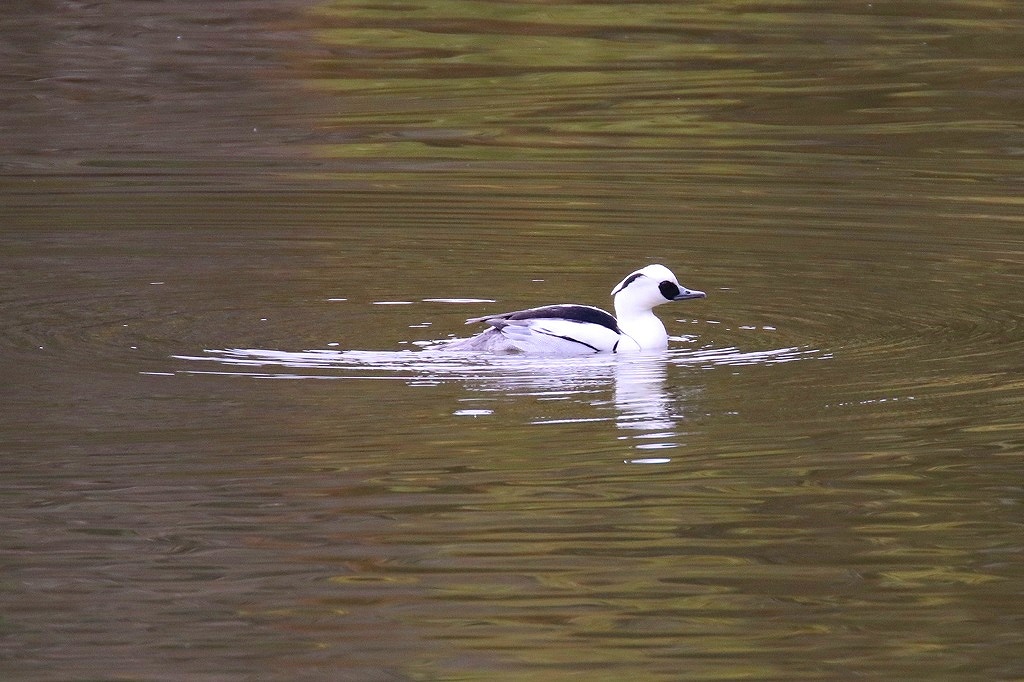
(644,327)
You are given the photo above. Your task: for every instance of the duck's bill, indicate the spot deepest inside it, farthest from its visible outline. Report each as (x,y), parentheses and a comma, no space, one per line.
(687,294)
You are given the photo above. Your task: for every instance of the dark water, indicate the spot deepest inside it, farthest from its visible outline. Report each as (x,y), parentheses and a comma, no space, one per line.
(229,231)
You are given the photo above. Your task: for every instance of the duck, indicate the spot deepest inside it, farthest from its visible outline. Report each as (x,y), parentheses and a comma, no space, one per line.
(572,329)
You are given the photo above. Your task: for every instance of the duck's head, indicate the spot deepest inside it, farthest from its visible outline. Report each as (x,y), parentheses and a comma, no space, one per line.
(648,287)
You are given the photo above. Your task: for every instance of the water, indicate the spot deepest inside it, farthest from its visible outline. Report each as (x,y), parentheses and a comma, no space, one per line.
(230,233)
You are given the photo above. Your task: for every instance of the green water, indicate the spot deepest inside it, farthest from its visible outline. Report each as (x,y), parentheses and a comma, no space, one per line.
(229,233)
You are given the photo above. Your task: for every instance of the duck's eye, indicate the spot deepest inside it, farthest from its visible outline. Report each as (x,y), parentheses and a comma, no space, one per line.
(669,289)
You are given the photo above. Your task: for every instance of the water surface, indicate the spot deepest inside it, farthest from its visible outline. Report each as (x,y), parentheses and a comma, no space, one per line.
(231,234)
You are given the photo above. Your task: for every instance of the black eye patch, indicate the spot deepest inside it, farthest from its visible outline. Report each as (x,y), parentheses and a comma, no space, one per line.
(669,289)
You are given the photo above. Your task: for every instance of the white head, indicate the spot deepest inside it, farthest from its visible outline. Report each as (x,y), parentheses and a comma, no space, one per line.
(651,286)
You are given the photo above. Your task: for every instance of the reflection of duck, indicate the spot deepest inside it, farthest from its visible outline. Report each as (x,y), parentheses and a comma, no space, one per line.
(641,400)
(640,405)
(568,329)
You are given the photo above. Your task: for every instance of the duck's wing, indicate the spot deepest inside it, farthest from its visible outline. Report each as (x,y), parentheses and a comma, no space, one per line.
(563,311)
(559,329)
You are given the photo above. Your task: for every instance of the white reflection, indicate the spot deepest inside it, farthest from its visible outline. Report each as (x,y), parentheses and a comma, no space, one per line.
(640,396)
(633,388)
(645,408)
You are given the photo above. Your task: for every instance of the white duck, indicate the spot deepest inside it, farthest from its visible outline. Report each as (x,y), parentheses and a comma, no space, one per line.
(568,329)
